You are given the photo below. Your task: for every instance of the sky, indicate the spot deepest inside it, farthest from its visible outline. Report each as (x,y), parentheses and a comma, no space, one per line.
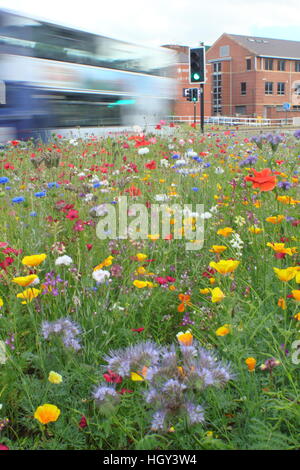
(158,22)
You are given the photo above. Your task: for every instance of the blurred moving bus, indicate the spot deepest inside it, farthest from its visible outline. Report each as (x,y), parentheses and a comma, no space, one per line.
(53,77)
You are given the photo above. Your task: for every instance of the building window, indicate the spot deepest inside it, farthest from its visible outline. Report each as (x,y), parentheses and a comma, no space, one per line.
(297,90)
(217,67)
(243,88)
(217,93)
(268,88)
(248,64)
(281,65)
(297,66)
(240,109)
(268,64)
(280,88)
(296,108)
(224,51)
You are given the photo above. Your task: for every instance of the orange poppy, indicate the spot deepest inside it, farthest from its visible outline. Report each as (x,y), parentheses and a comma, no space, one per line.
(263,180)
(185,300)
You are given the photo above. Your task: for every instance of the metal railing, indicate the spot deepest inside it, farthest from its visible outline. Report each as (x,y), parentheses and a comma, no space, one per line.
(233,121)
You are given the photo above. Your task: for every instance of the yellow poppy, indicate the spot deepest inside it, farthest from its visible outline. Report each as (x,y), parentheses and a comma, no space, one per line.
(251,363)
(223,330)
(28,294)
(296,295)
(25,281)
(280,248)
(106,262)
(185,338)
(33,260)
(281,303)
(141,256)
(204,291)
(255,230)
(225,232)
(217,295)
(275,219)
(285,275)
(224,266)
(47,413)
(218,248)
(54,378)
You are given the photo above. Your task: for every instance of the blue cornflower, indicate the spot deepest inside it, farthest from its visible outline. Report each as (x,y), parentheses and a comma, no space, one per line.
(285,185)
(18,199)
(53,185)
(206,165)
(195,189)
(33,214)
(97,185)
(175,157)
(4,179)
(297,134)
(7,188)
(41,194)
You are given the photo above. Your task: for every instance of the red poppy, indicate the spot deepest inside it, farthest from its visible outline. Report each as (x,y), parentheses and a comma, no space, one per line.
(112,377)
(133,191)
(137,330)
(9,166)
(151,165)
(125,390)
(89,246)
(263,180)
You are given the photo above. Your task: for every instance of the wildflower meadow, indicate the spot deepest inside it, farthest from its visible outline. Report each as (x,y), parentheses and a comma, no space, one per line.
(145,337)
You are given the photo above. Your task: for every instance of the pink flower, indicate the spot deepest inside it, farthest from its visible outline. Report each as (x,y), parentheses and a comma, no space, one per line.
(83,422)
(72,214)
(3,447)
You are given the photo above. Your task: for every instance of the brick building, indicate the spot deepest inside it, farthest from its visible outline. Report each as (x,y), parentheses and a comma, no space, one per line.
(246,76)
(254,76)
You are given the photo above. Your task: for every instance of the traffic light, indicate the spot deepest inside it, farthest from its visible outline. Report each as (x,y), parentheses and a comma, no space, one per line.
(194,94)
(189,94)
(197,65)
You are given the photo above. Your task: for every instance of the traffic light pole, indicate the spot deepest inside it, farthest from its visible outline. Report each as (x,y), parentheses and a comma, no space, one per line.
(195,114)
(202,107)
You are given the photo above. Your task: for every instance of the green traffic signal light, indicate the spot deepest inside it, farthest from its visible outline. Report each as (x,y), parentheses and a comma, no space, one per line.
(196,76)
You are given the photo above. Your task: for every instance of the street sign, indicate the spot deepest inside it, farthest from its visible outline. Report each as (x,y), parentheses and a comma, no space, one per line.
(286,106)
